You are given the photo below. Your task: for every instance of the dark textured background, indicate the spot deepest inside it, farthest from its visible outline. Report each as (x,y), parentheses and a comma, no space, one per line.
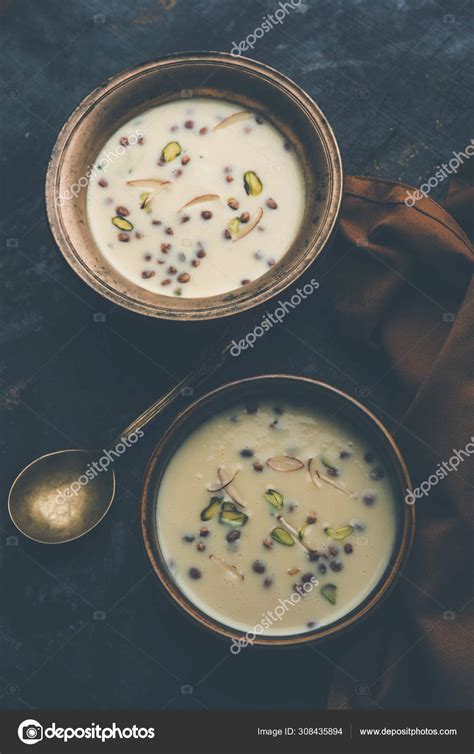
(392,78)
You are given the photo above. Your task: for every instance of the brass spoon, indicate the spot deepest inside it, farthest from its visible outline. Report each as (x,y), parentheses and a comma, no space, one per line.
(61,496)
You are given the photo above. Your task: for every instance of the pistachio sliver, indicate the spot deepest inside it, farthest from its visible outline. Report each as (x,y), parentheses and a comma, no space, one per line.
(232,119)
(282,536)
(228,506)
(252,183)
(122,223)
(211,509)
(221,484)
(233,226)
(274,497)
(171,151)
(314,473)
(234,519)
(200,199)
(232,569)
(146,182)
(250,225)
(285,463)
(145,200)
(342,533)
(329,459)
(302,531)
(329,592)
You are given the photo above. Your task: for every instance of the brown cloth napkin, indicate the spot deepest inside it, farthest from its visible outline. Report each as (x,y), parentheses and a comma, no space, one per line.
(401,280)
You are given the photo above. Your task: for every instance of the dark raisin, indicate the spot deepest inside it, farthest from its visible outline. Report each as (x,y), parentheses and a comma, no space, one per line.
(233,536)
(258,566)
(369,497)
(194,573)
(251,408)
(246,452)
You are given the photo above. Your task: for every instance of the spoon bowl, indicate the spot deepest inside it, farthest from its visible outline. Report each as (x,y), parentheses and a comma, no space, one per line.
(61,496)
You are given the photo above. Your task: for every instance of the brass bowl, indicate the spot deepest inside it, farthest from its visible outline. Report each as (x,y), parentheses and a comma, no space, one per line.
(315,394)
(215,74)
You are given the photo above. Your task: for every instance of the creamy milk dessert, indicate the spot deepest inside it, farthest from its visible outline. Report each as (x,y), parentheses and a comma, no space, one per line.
(276,516)
(195,197)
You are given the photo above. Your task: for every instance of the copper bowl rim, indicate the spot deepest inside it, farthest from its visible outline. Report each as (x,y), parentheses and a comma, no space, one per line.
(355,616)
(314,246)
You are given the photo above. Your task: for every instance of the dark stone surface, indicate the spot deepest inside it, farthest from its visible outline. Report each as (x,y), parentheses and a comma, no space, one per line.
(393,80)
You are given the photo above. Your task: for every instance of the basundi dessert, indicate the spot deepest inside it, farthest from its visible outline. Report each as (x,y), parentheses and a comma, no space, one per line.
(195,197)
(276,504)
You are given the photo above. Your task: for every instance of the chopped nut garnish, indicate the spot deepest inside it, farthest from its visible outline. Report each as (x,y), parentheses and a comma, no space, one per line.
(252,183)
(171,151)
(184,277)
(199,199)
(285,463)
(232,203)
(271,203)
(231,119)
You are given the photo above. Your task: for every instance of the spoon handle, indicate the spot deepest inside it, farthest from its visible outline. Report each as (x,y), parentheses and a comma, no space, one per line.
(209,363)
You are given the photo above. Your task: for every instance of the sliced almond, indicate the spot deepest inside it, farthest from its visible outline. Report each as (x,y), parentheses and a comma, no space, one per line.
(232,569)
(314,473)
(285,463)
(249,226)
(231,119)
(148,182)
(221,484)
(199,199)
(338,485)
(231,491)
